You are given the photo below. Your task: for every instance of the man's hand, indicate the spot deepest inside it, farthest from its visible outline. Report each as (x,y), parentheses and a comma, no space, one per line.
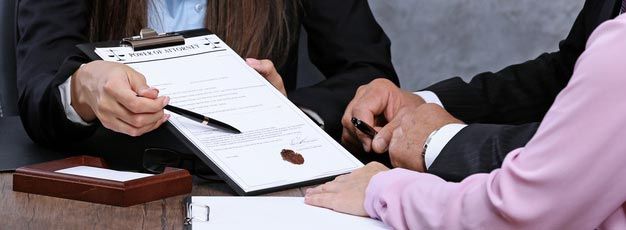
(347,192)
(375,103)
(118,96)
(267,69)
(405,136)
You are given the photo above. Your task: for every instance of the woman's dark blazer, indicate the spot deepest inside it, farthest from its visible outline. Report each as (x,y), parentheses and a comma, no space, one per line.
(345,43)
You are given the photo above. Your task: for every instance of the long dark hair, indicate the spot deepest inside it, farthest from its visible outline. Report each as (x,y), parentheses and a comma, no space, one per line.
(253,28)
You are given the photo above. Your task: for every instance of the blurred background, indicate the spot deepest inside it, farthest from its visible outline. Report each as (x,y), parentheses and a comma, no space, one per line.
(432,39)
(436,39)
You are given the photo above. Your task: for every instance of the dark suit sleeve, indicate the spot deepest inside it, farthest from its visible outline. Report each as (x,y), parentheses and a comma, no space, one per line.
(514,100)
(348,46)
(480,148)
(519,93)
(48,32)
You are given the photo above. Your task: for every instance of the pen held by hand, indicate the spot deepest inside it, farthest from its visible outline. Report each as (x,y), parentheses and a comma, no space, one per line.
(201,118)
(364,127)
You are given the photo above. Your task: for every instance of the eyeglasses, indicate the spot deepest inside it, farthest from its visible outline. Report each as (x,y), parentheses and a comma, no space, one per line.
(155,160)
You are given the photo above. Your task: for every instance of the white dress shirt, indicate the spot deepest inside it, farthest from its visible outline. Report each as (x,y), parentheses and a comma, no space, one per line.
(163,16)
(441,137)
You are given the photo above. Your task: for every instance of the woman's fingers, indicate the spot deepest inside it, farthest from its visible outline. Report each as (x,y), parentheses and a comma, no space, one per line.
(118,96)
(267,69)
(135,104)
(116,117)
(138,120)
(324,200)
(120,126)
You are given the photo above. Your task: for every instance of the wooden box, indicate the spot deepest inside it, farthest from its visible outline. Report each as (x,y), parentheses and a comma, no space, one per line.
(42,179)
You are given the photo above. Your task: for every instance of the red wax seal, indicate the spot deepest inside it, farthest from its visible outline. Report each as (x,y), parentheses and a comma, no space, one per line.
(292,157)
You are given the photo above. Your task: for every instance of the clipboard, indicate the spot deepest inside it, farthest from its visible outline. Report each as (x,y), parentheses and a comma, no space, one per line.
(221,212)
(149,39)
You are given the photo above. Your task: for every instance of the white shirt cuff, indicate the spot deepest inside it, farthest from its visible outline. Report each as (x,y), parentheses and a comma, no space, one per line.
(439,140)
(429,97)
(66,99)
(314,116)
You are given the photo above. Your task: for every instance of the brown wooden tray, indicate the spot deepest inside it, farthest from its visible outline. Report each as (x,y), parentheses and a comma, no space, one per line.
(42,179)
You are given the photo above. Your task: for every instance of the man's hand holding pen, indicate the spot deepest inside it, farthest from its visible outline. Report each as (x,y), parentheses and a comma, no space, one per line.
(405,136)
(408,122)
(376,104)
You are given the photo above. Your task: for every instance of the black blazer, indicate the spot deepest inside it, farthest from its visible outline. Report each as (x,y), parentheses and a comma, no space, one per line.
(512,101)
(345,43)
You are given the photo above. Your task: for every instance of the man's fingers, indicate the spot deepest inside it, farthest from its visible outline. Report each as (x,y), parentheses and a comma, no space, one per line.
(380,144)
(366,142)
(396,146)
(365,106)
(367,116)
(348,139)
(382,140)
(346,121)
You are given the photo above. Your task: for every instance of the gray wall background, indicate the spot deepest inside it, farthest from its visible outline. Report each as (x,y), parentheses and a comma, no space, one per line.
(436,39)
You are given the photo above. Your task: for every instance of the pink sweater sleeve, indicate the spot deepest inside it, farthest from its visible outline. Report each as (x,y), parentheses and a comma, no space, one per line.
(571,175)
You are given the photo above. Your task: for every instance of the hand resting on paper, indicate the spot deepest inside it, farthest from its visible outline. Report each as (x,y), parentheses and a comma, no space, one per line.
(107,91)
(347,192)
(267,69)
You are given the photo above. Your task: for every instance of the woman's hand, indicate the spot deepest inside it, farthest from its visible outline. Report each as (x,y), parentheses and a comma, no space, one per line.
(266,69)
(347,192)
(118,96)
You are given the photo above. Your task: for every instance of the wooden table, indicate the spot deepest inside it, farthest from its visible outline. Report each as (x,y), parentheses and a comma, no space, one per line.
(28,211)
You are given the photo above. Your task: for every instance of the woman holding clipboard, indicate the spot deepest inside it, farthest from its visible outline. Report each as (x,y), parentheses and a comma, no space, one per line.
(63,96)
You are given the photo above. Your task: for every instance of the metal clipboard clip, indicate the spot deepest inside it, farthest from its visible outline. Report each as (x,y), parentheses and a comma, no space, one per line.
(189,218)
(150,39)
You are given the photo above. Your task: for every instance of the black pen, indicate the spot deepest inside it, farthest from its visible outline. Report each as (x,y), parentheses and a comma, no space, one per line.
(364,127)
(201,118)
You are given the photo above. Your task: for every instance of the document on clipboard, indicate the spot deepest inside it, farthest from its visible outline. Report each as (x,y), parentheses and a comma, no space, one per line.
(279,147)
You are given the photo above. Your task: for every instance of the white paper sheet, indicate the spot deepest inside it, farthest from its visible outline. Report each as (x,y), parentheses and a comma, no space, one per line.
(207,77)
(100,173)
(271,213)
